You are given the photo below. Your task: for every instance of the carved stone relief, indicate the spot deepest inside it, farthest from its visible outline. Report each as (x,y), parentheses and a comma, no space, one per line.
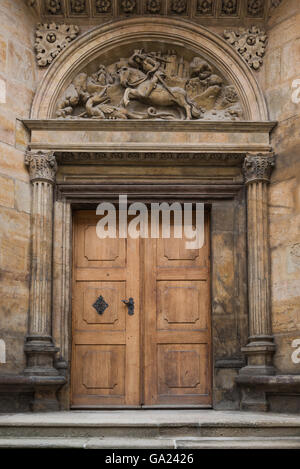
(151,85)
(250,43)
(51,39)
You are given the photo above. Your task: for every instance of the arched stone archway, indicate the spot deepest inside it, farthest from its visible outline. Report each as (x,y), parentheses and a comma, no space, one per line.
(196,160)
(103,40)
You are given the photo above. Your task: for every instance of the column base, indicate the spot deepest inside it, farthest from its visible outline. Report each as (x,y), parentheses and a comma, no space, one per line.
(40,352)
(253,400)
(45,399)
(259,353)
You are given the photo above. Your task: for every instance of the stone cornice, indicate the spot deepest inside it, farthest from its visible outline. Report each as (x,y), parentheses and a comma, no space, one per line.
(150,125)
(258,167)
(42,166)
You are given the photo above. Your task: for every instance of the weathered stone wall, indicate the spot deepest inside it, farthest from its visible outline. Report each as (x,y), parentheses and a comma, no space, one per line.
(18,76)
(281,67)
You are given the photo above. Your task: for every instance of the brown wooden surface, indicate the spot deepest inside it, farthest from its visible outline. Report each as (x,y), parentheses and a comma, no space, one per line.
(161,355)
(106,364)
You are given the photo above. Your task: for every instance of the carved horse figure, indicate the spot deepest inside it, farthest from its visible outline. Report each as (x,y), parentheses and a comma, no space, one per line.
(150,91)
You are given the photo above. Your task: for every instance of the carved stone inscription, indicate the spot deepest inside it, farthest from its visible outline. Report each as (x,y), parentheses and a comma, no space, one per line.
(151,85)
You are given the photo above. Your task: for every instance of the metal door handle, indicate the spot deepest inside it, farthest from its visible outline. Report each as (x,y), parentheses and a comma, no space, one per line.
(130,305)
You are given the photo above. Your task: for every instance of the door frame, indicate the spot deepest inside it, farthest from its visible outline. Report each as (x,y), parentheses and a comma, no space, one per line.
(82,196)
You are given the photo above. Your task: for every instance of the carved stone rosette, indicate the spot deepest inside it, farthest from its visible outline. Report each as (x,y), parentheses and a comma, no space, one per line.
(250,43)
(51,39)
(260,349)
(39,346)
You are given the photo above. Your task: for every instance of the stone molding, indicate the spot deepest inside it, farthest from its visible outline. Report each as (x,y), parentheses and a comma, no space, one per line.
(258,167)
(250,44)
(51,39)
(42,165)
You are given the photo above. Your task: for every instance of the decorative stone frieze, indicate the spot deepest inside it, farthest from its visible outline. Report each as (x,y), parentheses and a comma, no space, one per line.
(196,10)
(51,39)
(258,167)
(94,157)
(42,166)
(250,43)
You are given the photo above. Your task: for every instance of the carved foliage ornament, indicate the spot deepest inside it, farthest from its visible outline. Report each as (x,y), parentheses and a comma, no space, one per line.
(178,6)
(151,85)
(258,167)
(153,6)
(103,6)
(51,39)
(275,3)
(205,7)
(53,7)
(255,7)
(78,6)
(229,7)
(250,43)
(128,6)
(42,165)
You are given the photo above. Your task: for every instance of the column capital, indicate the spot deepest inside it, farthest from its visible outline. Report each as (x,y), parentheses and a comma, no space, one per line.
(42,165)
(258,167)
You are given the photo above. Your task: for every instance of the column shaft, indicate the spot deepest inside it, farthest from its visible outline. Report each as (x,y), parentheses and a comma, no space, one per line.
(39,346)
(260,348)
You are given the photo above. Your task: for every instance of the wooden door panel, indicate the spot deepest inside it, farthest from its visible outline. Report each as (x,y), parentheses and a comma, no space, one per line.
(106,340)
(182,305)
(177,321)
(86,316)
(93,252)
(181,373)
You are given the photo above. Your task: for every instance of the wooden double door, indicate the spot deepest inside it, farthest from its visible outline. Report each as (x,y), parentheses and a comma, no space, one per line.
(156,353)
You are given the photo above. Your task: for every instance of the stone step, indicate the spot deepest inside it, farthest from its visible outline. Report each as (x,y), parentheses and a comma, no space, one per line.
(152,443)
(150,429)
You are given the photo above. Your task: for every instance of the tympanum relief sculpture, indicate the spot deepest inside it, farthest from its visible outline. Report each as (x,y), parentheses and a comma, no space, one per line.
(151,85)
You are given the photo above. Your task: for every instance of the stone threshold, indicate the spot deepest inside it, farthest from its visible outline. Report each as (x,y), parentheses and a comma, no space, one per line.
(150,417)
(155,443)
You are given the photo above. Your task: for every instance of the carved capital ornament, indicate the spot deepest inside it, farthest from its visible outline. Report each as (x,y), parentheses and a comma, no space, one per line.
(258,167)
(42,166)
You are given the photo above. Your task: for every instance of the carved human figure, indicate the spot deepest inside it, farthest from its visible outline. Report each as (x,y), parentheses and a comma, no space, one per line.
(204,85)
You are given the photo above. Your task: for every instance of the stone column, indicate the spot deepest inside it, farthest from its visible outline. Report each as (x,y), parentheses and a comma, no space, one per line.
(260,349)
(39,346)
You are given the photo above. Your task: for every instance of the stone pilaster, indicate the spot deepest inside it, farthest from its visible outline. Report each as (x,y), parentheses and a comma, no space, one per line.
(39,346)
(260,349)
